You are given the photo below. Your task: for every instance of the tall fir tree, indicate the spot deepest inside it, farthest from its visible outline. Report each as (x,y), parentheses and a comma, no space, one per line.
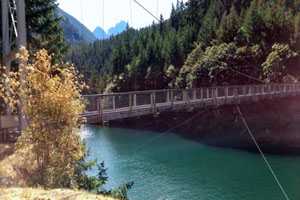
(43,28)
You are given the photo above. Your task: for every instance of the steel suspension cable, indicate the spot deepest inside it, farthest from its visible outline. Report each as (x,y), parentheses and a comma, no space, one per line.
(131,23)
(261,153)
(146,10)
(166,132)
(81,13)
(103,15)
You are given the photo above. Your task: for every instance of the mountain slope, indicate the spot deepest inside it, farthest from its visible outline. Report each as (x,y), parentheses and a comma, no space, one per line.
(207,43)
(75,32)
(100,33)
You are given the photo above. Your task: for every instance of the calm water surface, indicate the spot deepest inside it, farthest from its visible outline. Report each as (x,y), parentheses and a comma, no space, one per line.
(172,167)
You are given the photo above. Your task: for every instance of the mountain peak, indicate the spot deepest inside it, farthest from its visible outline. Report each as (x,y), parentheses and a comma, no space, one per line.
(100,33)
(119,28)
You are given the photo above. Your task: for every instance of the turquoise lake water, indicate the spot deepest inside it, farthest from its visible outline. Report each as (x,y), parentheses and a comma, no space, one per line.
(172,167)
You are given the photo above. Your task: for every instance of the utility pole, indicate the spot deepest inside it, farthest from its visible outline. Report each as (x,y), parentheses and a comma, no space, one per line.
(21,41)
(5,44)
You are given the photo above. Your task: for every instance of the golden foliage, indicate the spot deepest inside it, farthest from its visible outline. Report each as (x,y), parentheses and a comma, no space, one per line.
(52,103)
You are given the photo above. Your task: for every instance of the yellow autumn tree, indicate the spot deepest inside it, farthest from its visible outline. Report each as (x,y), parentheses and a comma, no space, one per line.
(52,104)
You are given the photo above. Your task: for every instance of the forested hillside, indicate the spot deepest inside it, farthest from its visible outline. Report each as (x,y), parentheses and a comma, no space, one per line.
(74,32)
(204,43)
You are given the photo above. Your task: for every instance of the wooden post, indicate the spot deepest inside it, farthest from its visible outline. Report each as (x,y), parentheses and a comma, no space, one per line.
(250,92)
(99,109)
(214,95)
(194,94)
(244,91)
(235,94)
(207,93)
(188,103)
(151,100)
(184,96)
(226,93)
(168,97)
(114,102)
(134,100)
(172,99)
(130,103)
(154,103)
(201,93)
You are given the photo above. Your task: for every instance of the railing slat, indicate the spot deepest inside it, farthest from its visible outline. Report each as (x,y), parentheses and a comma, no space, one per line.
(135,102)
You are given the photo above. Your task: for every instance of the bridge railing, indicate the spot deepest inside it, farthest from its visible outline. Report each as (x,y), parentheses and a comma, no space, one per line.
(102,103)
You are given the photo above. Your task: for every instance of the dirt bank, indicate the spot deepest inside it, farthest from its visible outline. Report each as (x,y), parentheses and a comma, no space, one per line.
(40,194)
(13,187)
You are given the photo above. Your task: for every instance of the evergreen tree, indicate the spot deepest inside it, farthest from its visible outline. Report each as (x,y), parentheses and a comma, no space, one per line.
(43,30)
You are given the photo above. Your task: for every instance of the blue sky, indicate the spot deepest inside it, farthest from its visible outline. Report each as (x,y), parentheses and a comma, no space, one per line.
(115,11)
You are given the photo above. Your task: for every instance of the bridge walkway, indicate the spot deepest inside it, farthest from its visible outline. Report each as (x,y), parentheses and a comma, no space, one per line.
(101,108)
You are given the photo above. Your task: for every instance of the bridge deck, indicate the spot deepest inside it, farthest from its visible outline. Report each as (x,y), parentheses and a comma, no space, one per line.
(107,107)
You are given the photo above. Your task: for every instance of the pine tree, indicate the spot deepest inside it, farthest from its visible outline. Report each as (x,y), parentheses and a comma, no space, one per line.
(43,29)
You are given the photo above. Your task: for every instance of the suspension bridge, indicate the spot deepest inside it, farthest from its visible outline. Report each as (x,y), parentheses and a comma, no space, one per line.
(102,108)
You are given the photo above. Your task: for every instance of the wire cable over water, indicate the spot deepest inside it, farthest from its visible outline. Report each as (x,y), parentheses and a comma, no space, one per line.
(166,132)
(260,151)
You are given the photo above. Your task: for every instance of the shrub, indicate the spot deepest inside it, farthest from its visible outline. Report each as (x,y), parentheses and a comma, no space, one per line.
(52,104)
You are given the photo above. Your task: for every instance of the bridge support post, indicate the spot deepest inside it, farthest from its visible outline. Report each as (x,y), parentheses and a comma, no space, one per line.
(114,102)
(184,97)
(251,92)
(201,93)
(236,95)
(134,100)
(99,110)
(188,101)
(207,93)
(172,99)
(153,104)
(226,93)
(194,95)
(130,105)
(215,95)
(244,91)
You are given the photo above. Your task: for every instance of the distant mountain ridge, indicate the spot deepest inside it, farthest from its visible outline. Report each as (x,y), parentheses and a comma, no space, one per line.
(75,32)
(100,34)
(119,28)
